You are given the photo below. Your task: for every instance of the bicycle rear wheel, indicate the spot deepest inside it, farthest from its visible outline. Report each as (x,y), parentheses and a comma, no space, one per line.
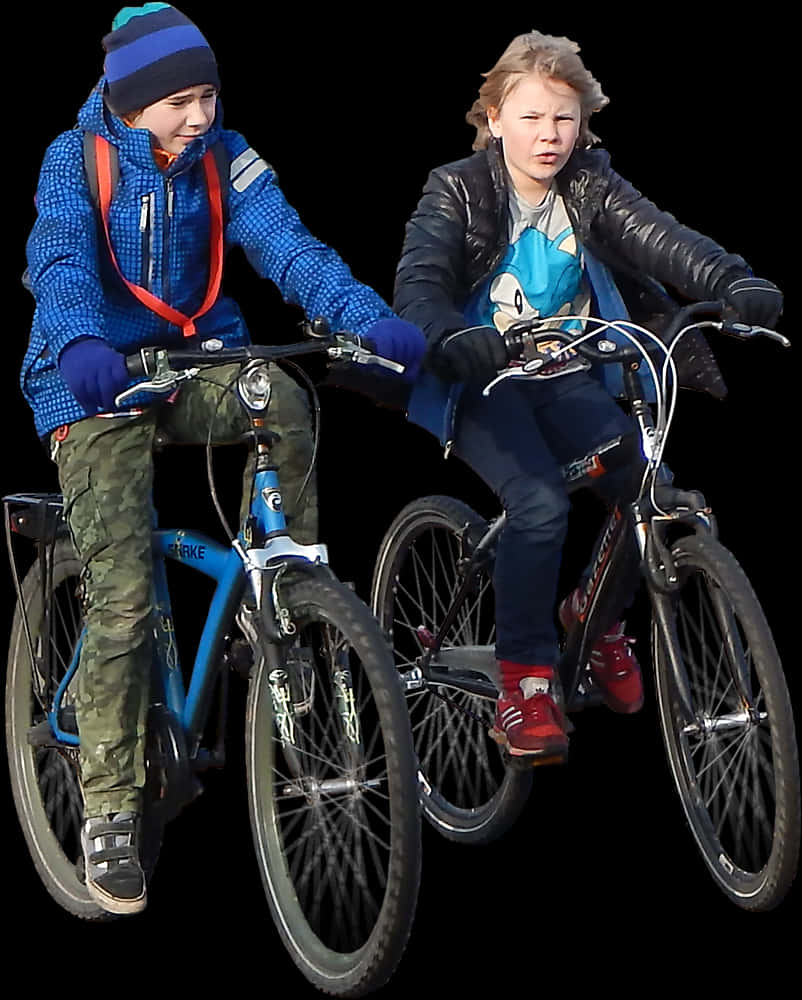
(469,792)
(331,788)
(734,756)
(45,778)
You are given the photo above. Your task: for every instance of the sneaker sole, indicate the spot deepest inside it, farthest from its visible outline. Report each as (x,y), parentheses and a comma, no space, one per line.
(121,907)
(548,755)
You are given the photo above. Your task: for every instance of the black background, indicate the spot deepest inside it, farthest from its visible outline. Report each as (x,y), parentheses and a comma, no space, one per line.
(599,880)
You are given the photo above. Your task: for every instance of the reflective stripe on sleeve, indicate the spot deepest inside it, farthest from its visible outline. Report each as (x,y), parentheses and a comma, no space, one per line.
(246,168)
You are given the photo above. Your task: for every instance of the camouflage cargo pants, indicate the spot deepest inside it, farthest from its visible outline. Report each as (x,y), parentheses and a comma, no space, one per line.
(106,474)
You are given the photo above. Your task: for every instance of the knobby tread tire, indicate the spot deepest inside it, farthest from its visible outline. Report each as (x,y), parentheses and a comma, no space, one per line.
(323,599)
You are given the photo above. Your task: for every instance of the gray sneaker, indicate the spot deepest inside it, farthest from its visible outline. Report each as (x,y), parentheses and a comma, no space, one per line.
(114,876)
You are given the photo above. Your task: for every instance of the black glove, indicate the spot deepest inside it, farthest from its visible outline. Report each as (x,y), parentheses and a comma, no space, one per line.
(471,355)
(755,301)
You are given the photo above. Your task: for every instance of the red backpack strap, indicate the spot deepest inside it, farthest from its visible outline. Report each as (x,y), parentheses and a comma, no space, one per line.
(106,183)
(90,167)
(216,231)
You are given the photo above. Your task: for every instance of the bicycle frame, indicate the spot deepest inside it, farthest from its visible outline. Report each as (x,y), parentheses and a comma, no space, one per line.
(233,568)
(629,548)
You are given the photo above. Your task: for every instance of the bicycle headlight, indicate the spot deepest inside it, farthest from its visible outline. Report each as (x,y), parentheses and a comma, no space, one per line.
(254,386)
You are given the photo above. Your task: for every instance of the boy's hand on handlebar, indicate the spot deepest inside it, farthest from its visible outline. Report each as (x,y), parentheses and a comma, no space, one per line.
(94,372)
(755,301)
(471,355)
(399,341)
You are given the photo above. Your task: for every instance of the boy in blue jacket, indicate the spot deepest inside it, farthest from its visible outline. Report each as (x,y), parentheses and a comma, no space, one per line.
(150,274)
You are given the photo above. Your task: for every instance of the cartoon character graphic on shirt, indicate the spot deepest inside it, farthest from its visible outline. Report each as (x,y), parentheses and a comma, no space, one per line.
(538,276)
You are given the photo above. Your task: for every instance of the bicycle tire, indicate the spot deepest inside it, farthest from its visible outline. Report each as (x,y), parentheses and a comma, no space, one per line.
(45,781)
(468,792)
(736,771)
(345,922)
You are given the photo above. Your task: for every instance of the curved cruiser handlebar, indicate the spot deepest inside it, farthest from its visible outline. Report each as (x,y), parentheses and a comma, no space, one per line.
(529,333)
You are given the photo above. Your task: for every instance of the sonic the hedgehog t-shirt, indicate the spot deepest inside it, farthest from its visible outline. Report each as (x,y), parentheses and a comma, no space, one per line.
(541,273)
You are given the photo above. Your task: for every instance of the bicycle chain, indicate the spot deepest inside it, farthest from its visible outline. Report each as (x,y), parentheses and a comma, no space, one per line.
(460,708)
(509,761)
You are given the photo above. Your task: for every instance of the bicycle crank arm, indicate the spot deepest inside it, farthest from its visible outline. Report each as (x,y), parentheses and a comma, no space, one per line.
(457,682)
(475,659)
(451,668)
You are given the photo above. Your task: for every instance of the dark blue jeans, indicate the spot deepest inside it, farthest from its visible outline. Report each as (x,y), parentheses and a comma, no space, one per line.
(517,439)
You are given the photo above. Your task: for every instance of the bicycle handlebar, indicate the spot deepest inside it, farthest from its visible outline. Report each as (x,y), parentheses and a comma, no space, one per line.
(146,362)
(531,332)
(164,367)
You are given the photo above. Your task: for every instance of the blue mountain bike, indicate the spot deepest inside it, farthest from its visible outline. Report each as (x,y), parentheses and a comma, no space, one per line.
(330,762)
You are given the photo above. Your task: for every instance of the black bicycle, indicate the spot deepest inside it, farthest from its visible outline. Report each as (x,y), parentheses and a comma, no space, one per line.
(723,702)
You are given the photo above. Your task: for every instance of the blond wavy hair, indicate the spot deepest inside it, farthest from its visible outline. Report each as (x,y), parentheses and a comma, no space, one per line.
(556,58)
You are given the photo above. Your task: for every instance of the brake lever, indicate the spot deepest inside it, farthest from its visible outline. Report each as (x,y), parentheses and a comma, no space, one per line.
(531,367)
(350,351)
(164,381)
(743,331)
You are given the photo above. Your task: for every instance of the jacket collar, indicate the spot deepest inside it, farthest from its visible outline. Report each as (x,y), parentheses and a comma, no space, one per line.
(136,145)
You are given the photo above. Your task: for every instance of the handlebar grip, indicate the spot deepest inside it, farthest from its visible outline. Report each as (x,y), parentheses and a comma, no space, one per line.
(731,324)
(144,363)
(135,365)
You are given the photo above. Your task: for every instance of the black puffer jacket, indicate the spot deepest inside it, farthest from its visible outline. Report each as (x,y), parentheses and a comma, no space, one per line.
(457,236)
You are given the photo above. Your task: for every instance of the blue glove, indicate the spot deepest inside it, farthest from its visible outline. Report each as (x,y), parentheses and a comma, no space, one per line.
(399,341)
(755,301)
(94,372)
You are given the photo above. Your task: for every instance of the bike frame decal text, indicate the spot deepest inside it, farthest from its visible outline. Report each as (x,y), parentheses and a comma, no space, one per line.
(602,557)
(179,550)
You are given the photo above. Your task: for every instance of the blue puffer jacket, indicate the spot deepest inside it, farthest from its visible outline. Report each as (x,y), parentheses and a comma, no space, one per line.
(159,224)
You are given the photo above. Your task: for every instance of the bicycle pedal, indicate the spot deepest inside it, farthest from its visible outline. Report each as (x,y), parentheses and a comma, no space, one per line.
(543,761)
(523,761)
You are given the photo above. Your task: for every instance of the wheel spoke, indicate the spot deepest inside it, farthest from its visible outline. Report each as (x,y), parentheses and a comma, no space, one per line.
(330,807)
(724,762)
(50,804)
(468,790)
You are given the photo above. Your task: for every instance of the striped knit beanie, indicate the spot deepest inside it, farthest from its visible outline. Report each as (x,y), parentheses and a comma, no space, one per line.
(153,51)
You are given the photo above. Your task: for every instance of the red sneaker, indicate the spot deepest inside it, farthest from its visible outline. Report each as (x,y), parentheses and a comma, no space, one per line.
(529,723)
(612,662)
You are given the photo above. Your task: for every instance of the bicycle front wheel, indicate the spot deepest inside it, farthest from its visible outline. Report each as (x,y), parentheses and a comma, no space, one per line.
(468,791)
(732,749)
(332,794)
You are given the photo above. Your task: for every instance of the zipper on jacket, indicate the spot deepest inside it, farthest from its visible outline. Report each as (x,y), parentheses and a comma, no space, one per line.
(144,227)
(169,194)
(151,241)
(146,214)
